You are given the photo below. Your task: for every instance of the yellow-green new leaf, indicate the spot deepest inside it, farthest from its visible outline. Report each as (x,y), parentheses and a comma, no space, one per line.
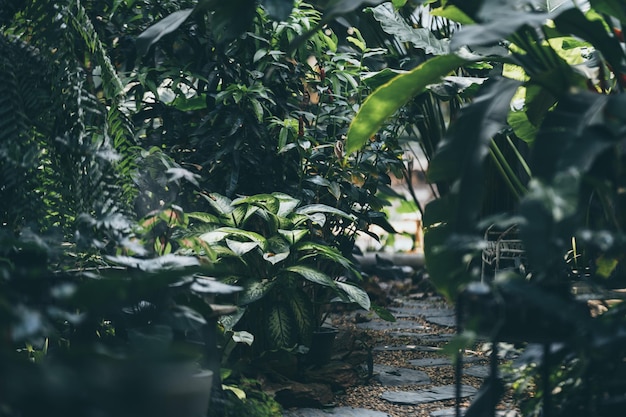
(387,99)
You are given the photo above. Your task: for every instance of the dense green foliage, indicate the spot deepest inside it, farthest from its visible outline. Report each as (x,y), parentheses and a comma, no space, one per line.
(147,148)
(556,83)
(114,115)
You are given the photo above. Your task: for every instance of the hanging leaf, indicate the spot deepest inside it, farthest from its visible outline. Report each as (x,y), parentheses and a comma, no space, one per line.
(383,313)
(155,32)
(355,294)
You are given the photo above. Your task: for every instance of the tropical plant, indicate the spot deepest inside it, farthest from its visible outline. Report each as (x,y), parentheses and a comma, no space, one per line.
(271,247)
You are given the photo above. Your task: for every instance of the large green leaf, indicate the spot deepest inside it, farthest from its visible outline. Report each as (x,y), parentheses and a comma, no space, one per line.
(155,32)
(574,22)
(217,235)
(254,291)
(325,251)
(615,8)
(396,25)
(281,330)
(571,135)
(312,275)
(301,307)
(203,217)
(386,100)
(221,204)
(266,201)
(355,294)
(287,204)
(498,28)
(311,209)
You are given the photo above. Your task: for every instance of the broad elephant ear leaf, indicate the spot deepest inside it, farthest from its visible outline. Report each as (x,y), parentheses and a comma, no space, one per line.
(572,135)
(386,100)
(573,21)
(492,32)
(449,234)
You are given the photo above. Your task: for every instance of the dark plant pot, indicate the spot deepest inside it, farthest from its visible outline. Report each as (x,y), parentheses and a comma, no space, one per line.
(321,348)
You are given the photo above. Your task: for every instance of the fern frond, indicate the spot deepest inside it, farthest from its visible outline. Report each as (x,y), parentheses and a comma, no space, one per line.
(81,23)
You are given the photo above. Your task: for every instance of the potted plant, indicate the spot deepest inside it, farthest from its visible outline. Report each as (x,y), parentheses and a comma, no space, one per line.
(269,245)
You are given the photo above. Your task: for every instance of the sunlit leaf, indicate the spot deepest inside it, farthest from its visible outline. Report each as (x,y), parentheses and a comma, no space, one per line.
(241,248)
(386,100)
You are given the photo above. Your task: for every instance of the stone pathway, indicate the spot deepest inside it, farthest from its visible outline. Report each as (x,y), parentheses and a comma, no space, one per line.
(399,382)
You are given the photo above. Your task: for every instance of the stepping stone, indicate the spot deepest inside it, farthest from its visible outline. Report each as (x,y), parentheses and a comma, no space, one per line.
(436,338)
(336,412)
(479,371)
(395,376)
(425,337)
(443,361)
(406,348)
(431,362)
(425,312)
(441,393)
(399,334)
(451,412)
(446,321)
(386,325)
